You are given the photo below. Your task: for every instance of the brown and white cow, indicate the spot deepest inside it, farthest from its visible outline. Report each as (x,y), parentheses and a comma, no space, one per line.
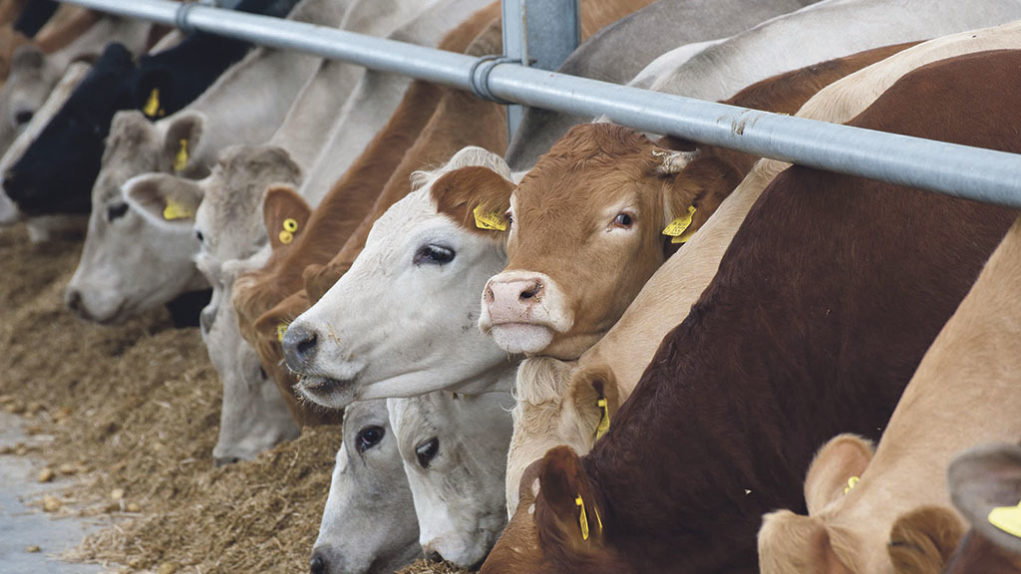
(985,484)
(965,392)
(824,304)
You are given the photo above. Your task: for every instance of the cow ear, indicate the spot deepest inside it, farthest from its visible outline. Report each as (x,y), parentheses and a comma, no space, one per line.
(685,175)
(285,213)
(985,484)
(924,539)
(835,470)
(475,197)
(182,139)
(163,199)
(568,512)
(596,399)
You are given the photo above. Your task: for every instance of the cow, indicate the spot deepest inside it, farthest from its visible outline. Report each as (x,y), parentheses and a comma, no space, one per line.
(425,246)
(823,305)
(570,273)
(56,171)
(186,143)
(368,524)
(453,447)
(34,73)
(611,368)
(254,416)
(964,392)
(983,483)
(619,51)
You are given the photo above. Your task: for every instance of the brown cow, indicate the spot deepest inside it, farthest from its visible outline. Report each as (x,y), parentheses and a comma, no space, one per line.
(823,305)
(589,219)
(985,483)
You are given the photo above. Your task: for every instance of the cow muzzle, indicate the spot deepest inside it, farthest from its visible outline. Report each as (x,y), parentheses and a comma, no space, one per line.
(523,311)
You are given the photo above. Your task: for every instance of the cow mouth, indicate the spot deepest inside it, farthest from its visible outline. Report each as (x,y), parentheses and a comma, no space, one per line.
(526,338)
(325,391)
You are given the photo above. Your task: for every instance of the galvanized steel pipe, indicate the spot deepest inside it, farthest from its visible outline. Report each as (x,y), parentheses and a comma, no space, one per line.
(978,174)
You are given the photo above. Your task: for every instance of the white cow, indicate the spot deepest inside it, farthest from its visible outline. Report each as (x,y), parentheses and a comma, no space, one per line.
(454,449)
(368,524)
(244,106)
(401,321)
(254,416)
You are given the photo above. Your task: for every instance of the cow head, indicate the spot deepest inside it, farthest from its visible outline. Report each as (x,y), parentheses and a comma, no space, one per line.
(55,172)
(142,249)
(253,415)
(789,542)
(32,78)
(454,451)
(402,320)
(586,232)
(555,408)
(369,521)
(562,523)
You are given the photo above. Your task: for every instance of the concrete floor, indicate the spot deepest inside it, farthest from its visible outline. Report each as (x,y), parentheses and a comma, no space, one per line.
(22,526)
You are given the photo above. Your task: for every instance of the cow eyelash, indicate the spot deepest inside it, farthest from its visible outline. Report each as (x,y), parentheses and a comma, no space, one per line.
(427,451)
(433,255)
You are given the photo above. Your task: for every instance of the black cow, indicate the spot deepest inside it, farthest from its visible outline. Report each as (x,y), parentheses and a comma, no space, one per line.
(56,172)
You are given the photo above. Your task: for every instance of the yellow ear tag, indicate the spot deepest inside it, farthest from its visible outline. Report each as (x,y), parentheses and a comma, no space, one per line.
(281,329)
(1007,519)
(174,210)
(152,107)
(181,159)
(582,518)
(493,220)
(677,227)
(285,237)
(290,225)
(851,483)
(604,421)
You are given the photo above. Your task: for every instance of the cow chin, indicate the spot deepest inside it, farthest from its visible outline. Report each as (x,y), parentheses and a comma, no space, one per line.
(326,392)
(521,337)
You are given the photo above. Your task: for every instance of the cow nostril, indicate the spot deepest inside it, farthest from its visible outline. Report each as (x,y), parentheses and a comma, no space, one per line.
(225,460)
(307,345)
(74,300)
(317,565)
(434,556)
(532,291)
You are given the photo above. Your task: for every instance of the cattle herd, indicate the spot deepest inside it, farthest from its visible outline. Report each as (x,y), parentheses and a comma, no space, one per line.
(592,349)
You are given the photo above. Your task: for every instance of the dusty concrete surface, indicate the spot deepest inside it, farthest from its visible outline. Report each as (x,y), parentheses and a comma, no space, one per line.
(24,526)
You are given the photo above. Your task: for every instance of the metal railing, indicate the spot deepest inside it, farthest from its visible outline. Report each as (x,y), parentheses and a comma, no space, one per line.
(978,174)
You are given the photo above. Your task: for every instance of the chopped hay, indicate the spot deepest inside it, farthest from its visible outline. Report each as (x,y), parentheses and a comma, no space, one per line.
(136,407)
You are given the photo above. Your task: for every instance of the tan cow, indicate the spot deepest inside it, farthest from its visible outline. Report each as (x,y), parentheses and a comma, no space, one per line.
(965,391)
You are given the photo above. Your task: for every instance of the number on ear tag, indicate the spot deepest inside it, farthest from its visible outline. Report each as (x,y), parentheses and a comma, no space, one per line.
(493,221)
(678,228)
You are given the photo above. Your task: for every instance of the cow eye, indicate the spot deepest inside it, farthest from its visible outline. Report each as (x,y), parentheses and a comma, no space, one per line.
(369,437)
(624,220)
(433,254)
(509,216)
(426,451)
(23,117)
(116,210)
